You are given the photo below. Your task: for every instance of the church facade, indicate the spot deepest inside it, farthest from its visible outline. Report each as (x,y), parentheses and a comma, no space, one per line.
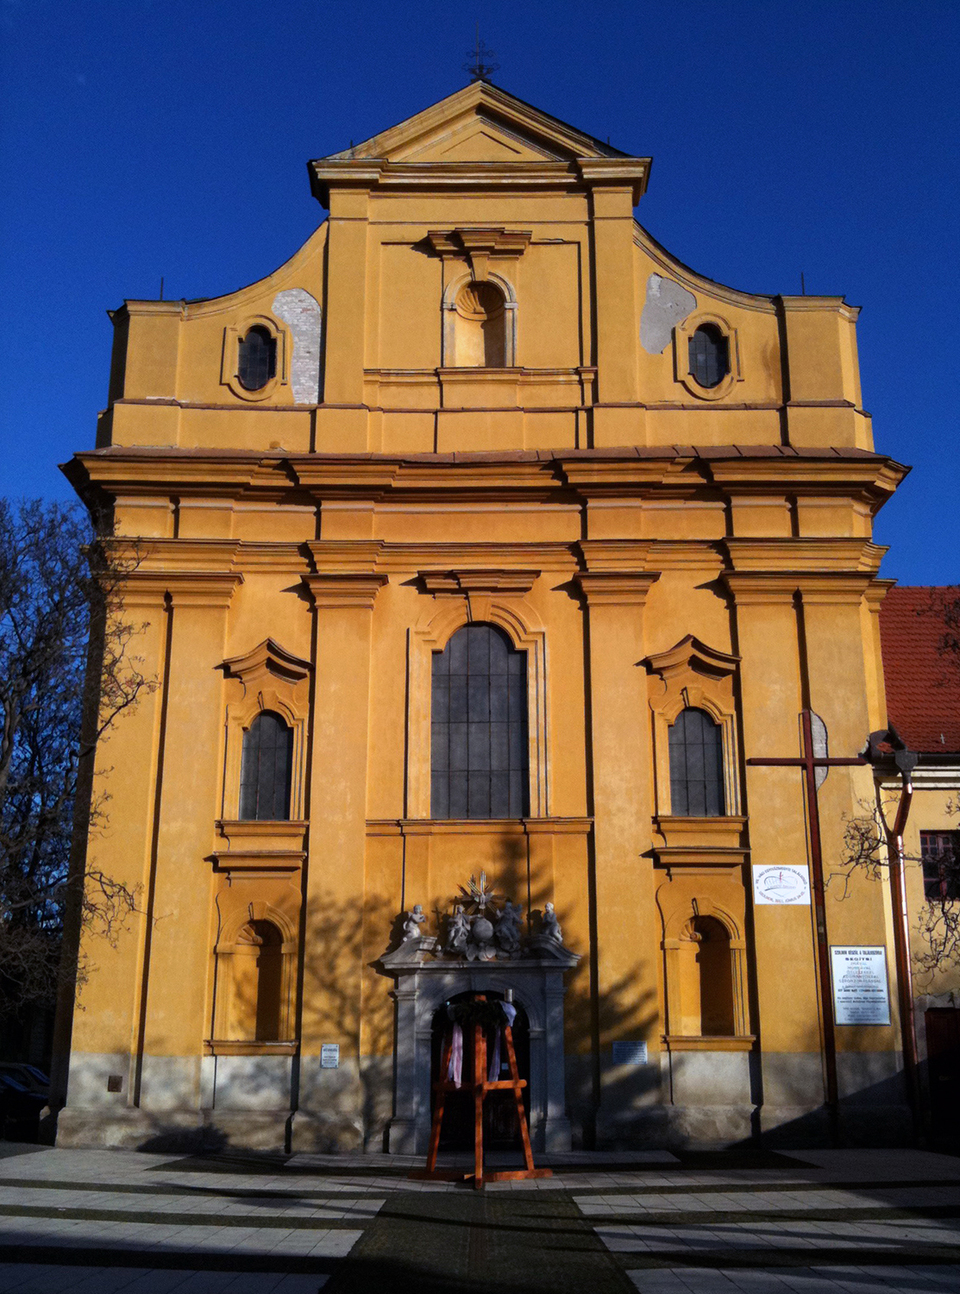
(480,548)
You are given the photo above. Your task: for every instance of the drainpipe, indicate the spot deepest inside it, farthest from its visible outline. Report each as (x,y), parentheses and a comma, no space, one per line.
(905,761)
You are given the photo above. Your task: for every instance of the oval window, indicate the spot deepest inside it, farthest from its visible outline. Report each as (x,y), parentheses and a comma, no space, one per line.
(709,356)
(257,360)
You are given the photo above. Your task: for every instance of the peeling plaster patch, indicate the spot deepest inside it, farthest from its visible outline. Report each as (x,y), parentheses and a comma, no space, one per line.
(301,313)
(667,304)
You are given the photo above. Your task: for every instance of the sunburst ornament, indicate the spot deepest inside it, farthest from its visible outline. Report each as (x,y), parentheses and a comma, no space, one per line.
(478,897)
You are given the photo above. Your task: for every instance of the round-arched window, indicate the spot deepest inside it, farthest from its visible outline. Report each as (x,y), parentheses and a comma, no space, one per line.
(265,769)
(709,356)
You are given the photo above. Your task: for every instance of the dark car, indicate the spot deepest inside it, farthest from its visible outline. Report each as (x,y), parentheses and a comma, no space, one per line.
(24,1091)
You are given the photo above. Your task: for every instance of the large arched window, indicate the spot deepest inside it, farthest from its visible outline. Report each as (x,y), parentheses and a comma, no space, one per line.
(696,766)
(479,746)
(257,359)
(709,356)
(265,769)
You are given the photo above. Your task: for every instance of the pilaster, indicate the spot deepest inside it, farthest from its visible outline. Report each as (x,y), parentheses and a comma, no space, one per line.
(772,695)
(623,969)
(617,334)
(330,1112)
(178,951)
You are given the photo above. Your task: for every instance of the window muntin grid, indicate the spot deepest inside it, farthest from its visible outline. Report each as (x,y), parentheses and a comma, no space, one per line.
(709,356)
(696,766)
(265,769)
(257,359)
(479,748)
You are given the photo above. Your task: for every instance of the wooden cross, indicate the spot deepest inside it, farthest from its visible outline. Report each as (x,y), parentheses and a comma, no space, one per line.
(811,762)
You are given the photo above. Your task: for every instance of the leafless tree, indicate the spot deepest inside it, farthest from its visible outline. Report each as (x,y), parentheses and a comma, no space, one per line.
(67,672)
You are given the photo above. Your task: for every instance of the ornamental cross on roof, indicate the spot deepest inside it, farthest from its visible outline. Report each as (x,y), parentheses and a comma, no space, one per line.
(478,896)
(481,65)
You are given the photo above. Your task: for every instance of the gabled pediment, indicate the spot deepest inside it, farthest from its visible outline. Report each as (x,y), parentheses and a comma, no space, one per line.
(480,123)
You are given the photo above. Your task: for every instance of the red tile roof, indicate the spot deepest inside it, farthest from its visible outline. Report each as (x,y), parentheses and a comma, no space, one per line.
(922,678)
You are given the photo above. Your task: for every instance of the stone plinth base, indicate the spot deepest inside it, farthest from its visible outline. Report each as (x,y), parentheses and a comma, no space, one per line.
(320,1134)
(676,1127)
(173,1130)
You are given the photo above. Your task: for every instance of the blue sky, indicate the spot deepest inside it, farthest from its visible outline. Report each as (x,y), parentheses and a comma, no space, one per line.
(141,139)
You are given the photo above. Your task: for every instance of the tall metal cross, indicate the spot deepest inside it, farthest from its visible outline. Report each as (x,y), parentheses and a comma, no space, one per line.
(815,763)
(481,65)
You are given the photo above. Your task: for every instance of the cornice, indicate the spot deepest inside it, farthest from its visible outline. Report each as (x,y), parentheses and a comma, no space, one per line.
(831,588)
(632,472)
(802,555)
(479,580)
(616,588)
(699,856)
(758,588)
(186,588)
(605,555)
(161,555)
(335,590)
(549,555)
(252,860)
(868,476)
(345,556)
(628,474)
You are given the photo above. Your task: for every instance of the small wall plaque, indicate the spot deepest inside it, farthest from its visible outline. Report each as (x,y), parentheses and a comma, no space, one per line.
(787,885)
(860,993)
(629,1053)
(329,1055)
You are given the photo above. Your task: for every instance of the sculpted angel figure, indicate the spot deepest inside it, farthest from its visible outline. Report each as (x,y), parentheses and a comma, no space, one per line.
(509,926)
(458,931)
(415,919)
(549,925)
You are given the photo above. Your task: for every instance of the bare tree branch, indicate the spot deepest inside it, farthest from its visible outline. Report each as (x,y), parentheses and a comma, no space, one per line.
(64,642)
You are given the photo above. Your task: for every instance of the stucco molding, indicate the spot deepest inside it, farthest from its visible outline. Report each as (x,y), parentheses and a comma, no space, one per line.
(267,678)
(693,674)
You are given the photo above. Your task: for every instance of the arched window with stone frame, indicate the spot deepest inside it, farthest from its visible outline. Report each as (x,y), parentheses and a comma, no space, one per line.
(512,626)
(693,705)
(479,746)
(268,700)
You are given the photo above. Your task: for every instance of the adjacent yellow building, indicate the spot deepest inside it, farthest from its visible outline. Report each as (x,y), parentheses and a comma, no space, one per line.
(484,537)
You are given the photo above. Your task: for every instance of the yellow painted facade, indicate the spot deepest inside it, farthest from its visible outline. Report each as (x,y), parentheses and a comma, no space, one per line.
(483,411)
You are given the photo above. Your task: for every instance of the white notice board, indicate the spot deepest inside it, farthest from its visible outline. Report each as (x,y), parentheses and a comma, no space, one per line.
(860,992)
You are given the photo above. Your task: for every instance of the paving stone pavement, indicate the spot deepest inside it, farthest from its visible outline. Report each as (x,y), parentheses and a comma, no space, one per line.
(818,1222)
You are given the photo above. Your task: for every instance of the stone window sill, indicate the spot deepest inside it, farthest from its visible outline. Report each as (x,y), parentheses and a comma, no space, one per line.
(227,1047)
(718,1042)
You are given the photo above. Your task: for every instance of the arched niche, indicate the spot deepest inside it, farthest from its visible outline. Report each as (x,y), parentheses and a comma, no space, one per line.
(705,972)
(255,975)
(479,322)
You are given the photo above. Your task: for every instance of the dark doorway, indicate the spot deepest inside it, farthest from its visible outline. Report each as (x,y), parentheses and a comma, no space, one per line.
(501,1128)
(943,1053)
